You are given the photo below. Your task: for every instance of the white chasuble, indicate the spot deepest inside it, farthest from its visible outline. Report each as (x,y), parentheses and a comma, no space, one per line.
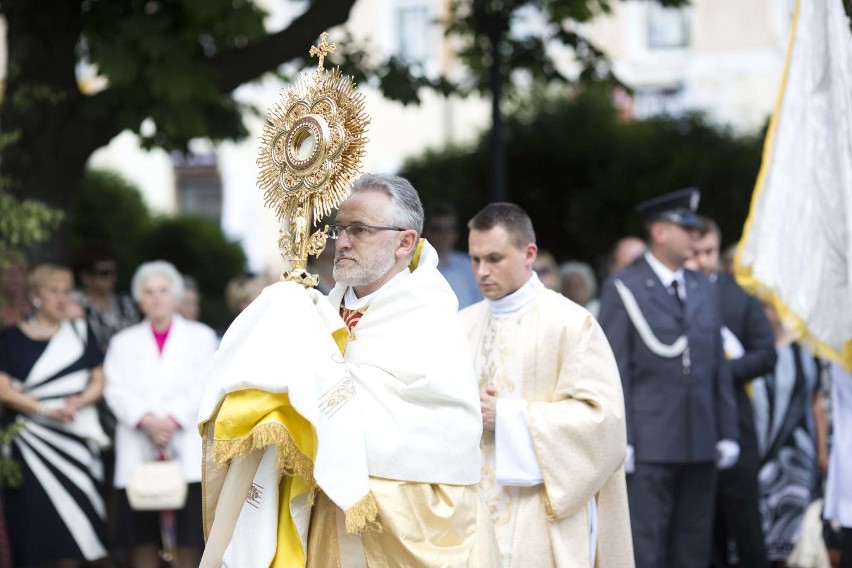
(553,474)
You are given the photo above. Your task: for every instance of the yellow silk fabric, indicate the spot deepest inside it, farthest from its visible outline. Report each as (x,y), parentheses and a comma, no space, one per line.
(415,258)
(238,427)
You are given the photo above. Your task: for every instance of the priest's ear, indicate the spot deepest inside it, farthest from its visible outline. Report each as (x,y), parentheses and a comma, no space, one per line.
(530,254)
(407,243)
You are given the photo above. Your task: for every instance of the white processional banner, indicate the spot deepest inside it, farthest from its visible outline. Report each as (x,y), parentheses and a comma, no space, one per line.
(796,243)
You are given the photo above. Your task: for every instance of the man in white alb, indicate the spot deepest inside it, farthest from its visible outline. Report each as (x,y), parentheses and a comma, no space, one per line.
(553,413)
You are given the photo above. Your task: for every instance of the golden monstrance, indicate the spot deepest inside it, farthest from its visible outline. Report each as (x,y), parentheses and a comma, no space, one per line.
(310,152)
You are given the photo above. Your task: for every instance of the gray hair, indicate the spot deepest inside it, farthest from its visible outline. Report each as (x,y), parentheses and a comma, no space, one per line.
(583,270)
(406,208)
(157,268)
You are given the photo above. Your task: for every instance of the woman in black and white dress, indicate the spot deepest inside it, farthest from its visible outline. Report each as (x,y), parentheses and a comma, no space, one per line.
(50,377)
(786,438)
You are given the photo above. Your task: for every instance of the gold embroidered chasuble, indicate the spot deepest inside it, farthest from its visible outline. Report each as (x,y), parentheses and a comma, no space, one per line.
(554,356)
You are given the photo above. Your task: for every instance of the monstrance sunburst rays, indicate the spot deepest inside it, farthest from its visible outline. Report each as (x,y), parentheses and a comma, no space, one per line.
(311,150)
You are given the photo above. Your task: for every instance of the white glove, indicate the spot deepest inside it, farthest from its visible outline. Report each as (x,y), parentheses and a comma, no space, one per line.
(629,461)
(727,454)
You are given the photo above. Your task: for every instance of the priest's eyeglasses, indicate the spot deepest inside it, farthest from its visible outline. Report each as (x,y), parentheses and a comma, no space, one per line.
(357,231)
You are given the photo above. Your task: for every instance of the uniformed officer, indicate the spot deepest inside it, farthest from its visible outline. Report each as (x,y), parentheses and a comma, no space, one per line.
(663,323)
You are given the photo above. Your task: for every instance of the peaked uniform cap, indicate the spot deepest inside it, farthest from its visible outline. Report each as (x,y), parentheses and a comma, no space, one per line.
(677,207)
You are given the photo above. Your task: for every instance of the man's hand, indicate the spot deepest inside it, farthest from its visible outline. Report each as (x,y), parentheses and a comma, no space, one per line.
(727,454)
(159,430)
(488,402)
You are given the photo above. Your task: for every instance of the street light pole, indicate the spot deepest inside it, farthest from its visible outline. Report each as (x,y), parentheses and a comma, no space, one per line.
(493,23)
(498,191)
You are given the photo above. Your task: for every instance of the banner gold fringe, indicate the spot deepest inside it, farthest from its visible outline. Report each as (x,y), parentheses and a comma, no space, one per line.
(290,458)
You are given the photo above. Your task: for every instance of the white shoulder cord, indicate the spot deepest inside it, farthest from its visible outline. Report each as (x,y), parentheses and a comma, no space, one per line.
(655,345)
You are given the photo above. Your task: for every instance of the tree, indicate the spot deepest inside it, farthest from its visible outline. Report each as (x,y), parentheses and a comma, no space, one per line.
(111,211)
(581,191)
(172,65)
(175,62)
(495,53)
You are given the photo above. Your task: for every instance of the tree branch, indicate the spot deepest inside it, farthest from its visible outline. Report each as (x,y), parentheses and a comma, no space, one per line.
(234,67)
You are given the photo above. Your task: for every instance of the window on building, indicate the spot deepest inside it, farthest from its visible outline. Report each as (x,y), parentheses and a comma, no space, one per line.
(656,101)
(199,186)
(668,28)
(414,27)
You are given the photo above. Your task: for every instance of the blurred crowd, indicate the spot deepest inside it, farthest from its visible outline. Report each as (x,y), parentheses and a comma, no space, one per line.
(100,380)
(96,381)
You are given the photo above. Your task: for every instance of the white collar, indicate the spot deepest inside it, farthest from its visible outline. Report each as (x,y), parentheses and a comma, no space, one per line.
(513,303)
(353,302)
(666,275)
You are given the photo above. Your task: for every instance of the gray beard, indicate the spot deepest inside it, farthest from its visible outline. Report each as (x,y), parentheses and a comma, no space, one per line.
(366,271)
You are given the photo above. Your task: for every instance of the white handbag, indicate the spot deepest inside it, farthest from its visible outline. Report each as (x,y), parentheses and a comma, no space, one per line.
(157,486)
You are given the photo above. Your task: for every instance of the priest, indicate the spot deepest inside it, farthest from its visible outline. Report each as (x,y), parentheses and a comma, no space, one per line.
(396,406)
(554,438)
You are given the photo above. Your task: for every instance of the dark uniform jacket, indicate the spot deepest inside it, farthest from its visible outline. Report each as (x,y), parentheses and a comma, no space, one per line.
(676,412)
(744,316)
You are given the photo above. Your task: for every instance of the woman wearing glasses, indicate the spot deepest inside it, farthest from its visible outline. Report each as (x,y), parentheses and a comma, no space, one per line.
(107,311)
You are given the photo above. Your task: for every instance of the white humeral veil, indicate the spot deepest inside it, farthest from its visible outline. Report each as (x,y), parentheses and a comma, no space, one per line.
(283,343)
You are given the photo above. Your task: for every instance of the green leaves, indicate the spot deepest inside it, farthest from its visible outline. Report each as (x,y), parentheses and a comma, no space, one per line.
(25,222)
(579,169)
(111,210)
(152,53)
(11,474)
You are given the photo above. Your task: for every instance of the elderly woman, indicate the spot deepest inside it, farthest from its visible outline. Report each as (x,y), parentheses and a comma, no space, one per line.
(50,376)
(580,285)
(154,375)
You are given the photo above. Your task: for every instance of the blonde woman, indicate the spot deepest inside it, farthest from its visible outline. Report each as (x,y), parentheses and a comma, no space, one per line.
(50,378)
(154,377)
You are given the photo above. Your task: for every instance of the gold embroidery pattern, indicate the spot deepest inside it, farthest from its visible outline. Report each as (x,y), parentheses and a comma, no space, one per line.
(255,493)
(501,344)
(334,399)
(499,364)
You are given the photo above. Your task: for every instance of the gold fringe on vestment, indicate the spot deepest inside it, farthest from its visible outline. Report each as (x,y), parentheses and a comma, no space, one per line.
(362,515)
(290,458)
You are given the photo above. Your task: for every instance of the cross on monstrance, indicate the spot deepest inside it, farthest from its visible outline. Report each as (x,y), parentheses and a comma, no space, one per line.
(324,48)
